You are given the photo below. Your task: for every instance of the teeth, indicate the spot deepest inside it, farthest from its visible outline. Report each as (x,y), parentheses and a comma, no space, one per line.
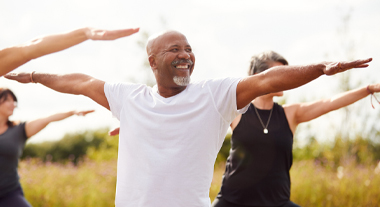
(181,66)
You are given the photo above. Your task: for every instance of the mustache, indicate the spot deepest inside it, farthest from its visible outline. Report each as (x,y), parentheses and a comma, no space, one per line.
(176,62)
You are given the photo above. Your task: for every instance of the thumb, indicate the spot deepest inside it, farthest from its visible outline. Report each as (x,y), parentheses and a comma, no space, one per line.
(10,75)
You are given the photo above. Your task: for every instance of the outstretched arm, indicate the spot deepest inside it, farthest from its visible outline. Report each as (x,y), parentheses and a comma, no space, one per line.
(33,127)
(13,57)
(303,112)
(282,78)
(75,83)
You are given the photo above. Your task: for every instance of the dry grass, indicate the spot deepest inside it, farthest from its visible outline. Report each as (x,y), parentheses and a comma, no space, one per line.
(93,183)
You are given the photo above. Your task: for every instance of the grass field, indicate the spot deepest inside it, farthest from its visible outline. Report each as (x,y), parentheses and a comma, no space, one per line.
(93,184)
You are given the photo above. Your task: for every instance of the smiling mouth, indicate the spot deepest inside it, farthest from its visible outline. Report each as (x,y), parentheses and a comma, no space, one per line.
(182,66)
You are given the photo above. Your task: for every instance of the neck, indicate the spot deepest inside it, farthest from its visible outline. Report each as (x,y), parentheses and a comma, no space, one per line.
(169,92)
(263,102)
(3,121)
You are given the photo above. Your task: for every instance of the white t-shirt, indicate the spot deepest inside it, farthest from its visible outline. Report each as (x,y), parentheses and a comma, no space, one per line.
(168,146)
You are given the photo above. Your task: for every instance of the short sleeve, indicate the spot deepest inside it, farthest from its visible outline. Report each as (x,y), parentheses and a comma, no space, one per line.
(224,96)
(117,94)
(23,131)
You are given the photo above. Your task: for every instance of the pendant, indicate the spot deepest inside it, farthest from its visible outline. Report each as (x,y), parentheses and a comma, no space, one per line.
(265,131)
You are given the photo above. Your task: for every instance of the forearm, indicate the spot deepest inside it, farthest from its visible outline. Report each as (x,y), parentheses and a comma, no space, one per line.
(33,127)
(13,57)
(74,83)
(347,98)
(53,43)
(283,78)
(59,116)
(16,56)
(41,123)
(276,79)
(312,110)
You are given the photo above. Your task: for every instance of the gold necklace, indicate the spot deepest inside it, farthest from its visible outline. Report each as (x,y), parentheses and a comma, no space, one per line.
(262,124)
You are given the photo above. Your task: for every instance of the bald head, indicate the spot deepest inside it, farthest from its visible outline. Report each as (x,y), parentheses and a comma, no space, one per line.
(155,42)
(171,59)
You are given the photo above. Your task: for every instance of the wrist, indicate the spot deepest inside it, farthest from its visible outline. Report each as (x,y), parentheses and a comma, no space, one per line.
(32,79)
(322,68)
(87,31)
(369,89)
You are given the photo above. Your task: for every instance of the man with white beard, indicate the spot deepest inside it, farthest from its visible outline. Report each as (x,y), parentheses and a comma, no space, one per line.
(170,134)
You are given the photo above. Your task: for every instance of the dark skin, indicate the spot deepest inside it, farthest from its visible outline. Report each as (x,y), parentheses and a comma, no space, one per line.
(173,46)
(162,51)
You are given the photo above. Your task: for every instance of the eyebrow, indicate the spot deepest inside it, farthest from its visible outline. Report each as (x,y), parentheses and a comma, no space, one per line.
(178,46)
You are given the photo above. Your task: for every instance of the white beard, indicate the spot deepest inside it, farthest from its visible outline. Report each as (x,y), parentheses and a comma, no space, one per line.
(181,81)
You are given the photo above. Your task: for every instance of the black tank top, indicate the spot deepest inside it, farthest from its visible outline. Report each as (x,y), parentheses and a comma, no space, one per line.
(257,169)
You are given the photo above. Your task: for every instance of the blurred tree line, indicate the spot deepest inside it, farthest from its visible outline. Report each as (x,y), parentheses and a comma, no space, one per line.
(340,151)
(99,146)
(72,147)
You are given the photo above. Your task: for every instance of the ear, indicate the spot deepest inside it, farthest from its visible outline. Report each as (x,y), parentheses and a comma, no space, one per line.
(152,62)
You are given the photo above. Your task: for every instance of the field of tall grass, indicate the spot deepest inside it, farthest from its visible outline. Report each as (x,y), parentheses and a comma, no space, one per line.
(89,183)
(314,184)
(92,183)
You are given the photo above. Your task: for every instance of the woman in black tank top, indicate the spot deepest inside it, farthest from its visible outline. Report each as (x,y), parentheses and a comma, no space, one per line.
(257,169)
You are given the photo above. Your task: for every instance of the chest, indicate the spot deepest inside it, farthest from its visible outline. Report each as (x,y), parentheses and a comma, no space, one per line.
(250,131)
(11,146)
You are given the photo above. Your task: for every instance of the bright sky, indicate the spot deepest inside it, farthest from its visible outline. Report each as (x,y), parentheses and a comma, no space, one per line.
(223,34)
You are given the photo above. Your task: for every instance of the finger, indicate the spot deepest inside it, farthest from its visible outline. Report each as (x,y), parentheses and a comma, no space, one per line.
(87,112)
(368,60)
(356,63)
(10,75)
(114,132)
(363,60)
(126,32)
(355,66)
(82,113)
(114,34)
(362,66)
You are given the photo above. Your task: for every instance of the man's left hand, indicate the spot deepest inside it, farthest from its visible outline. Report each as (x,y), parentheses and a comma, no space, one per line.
(337,67)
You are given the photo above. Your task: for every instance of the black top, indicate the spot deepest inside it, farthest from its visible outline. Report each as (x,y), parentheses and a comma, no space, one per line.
(257,169)
(12,143)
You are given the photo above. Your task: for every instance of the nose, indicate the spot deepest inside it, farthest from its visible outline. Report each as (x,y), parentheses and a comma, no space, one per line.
(183,55)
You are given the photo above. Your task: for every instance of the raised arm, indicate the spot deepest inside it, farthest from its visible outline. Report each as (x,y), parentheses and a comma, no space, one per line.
(282,78)
(33,127)
(303,112)
(75,83)
(13,57)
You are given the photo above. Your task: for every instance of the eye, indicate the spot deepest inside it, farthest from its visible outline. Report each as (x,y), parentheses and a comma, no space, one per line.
(174,50)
